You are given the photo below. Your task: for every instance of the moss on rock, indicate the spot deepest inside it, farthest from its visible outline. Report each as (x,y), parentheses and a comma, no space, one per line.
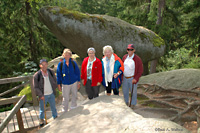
(158,41)
(154,38)
(143,36)
(74,14)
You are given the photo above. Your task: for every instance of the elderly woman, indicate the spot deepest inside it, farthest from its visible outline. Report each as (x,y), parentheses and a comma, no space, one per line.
(68,74)
(91,74)
(113,68)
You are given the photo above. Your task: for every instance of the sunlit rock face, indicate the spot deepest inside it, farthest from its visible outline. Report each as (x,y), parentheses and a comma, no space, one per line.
(108,114)
(79,31)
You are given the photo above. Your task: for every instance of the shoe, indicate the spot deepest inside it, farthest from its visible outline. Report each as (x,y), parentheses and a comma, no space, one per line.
(132,106)
(55,117)
(73,107)
(41,122)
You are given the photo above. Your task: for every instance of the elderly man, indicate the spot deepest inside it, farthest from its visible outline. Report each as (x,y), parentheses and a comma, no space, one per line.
(133,69)
(45,87)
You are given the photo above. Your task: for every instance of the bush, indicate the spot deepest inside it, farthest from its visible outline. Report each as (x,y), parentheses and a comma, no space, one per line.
(178,59)
(26,91)
(6,107)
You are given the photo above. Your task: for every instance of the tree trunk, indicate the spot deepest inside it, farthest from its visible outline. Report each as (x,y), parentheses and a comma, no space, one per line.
(161,6)
(145,68)
(198,51)
(30,35)
(153,66)
(148,6)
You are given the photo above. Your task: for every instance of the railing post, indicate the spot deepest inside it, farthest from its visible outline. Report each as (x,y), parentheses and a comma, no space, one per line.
(19,119)
(20,122)
(34,98)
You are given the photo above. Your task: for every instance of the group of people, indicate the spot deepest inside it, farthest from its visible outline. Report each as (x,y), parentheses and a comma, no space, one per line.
(111,72)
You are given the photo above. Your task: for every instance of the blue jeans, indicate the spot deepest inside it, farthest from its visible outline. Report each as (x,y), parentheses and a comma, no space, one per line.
(51,99)
(126,86)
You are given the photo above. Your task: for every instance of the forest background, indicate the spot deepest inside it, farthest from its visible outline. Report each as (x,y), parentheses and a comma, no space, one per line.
(24,39)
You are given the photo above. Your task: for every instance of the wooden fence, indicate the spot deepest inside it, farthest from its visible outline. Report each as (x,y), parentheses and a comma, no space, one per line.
(15,110)
(18,101)
(26,79)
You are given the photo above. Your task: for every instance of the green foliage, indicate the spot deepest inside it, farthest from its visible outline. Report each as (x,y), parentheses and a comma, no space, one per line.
(24,40)
(58,93)
(180,58)
(23,37)
(6,108)
(26,91)
(191,18)
(93,6)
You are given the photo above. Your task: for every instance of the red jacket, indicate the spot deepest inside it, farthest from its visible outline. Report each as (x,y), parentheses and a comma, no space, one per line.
(138,66)
(96,71)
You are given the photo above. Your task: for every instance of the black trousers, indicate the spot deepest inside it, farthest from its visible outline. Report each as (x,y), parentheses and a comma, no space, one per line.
(108,89)
(92,91)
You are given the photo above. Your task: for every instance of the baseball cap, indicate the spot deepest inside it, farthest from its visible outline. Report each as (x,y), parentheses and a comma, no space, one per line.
(130,46)
(43,60)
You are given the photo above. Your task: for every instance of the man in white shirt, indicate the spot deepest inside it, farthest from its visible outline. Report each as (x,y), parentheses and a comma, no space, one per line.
(45,85)
(133,69)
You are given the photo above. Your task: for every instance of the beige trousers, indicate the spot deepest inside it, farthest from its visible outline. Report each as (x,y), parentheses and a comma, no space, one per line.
(66,90)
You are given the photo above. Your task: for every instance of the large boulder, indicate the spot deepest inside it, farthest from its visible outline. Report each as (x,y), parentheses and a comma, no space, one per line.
(108,114)
(79,31)
(181,79)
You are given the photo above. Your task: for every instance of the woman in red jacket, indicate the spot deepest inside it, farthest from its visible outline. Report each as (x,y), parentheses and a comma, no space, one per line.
(91,74)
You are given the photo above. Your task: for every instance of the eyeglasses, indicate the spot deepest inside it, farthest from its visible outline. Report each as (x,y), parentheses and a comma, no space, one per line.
(130,49)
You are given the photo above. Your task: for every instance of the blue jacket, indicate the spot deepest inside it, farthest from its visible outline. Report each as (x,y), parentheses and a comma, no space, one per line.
(68,75)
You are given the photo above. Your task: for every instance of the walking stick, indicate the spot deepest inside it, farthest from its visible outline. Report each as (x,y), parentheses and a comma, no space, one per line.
(131,95)
(45,115)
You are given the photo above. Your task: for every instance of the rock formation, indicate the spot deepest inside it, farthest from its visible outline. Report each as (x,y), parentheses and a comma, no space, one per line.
(107,114)
(176,92)
(79,31)
(182,79)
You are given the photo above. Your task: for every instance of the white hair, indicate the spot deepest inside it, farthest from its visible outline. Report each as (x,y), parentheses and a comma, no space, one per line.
(107,47)
(91,48)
